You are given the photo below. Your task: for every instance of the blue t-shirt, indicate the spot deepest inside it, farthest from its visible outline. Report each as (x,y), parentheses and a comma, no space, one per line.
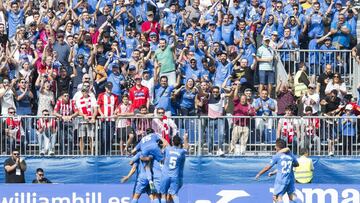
(130,45)
(14,19)
(316,26)
(227,34)
(340,37)
(284,165)
(348,128)
(328,56)
(174,162)
(187,99)
(189,72)
(116,79)
(222,72)
(266,104)
(162,97)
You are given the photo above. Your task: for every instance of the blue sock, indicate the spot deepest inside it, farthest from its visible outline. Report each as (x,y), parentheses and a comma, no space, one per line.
(134,201)
(175,199)
(155,200)
(163,200)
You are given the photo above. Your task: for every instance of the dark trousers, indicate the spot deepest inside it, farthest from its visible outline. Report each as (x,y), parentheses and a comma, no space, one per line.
(108,129)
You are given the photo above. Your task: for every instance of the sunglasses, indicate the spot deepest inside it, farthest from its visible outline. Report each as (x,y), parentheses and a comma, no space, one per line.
(336,76)
(87,78)
(16,154)
(161,112)
(12,112)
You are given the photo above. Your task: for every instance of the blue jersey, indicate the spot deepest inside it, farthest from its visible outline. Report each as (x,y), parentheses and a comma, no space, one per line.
(148,145)
(174,162)
(284,165)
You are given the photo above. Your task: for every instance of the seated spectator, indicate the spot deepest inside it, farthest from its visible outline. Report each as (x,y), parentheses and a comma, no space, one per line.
(14,131)
(336,84)
(46,131)
(40,177)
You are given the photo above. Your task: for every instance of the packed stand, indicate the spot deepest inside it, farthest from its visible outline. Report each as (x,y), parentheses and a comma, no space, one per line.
(104,68)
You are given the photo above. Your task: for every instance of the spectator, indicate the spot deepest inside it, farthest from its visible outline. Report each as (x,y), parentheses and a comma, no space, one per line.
(216,104)
(24,98)
(304,172)
(187,96)
(139,94)
(311,134)
(288,128)
(285,97)
(15,168)
(142,122)
(311,99)
(266,58)
(87,108)
(241,130)
(66,111)
(162,95)
(14,131)
(64,81)
(124,129)
(331,107)
(336,84)
(348,130)
(323,80)
(7,95)
(117,79)
(341,30)
(301,81)
(46,131)
(164,126)
(164,61)
(40,177)
(107,103)
(15,15)
(264,106)
(46,95)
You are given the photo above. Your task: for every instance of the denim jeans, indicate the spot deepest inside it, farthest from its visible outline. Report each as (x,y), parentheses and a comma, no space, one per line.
(215,125)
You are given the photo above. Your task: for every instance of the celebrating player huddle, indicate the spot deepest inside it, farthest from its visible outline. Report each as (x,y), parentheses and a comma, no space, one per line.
(152,177)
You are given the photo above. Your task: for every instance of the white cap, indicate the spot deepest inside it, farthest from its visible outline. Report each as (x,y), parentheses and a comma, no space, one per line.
(348,107)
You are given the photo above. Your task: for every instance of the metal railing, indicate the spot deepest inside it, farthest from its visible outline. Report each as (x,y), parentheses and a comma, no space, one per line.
(231,136)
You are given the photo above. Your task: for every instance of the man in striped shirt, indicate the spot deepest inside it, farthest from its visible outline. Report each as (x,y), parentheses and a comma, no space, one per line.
(107,102)
(65,110)
(87,108)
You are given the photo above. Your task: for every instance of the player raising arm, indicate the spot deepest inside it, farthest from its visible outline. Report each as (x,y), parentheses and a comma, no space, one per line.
(285,180)
(172,172)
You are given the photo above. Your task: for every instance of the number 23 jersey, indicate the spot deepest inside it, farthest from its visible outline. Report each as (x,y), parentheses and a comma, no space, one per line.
(285,164)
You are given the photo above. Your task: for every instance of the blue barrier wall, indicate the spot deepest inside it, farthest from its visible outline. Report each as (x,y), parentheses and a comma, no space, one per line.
(203,170)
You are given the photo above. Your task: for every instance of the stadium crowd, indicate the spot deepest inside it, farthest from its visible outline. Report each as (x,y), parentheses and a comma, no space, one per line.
(211,58)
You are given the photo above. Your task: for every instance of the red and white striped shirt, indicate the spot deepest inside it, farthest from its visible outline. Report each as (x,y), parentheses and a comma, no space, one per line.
(65,108)
(46,123)
(288,128)
(86,105)
(107,103)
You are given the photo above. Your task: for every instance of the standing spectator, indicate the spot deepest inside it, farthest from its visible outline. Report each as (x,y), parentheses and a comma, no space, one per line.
(165,62)
(64,80)
(323,80)
(46,131)
(142,122)
(331,107)
(65,110)
(311,128)
(301,81)
(163,125)
(15,15)
(7,95)
(285,97)
(46,95)
(87,108)
(15,168)
(241,130)
(288,42)
(348,130)
(82,70)
(63,50)
(139,94)
(150,25)
(187,95)
(117,79)
(24,98)
(304,172)
(288,128)
(341,32)
(162,96)
(216,104)
(311,99)
(264,106)
(107,103)
(266,58)
(123,126)
(40,177)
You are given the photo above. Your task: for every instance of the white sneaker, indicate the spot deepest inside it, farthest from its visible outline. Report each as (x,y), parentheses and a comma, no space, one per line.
(331,153)
(51,153)
(220,152)
(42,153)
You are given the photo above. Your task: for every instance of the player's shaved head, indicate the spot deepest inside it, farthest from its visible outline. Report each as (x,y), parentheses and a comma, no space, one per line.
(280,144)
